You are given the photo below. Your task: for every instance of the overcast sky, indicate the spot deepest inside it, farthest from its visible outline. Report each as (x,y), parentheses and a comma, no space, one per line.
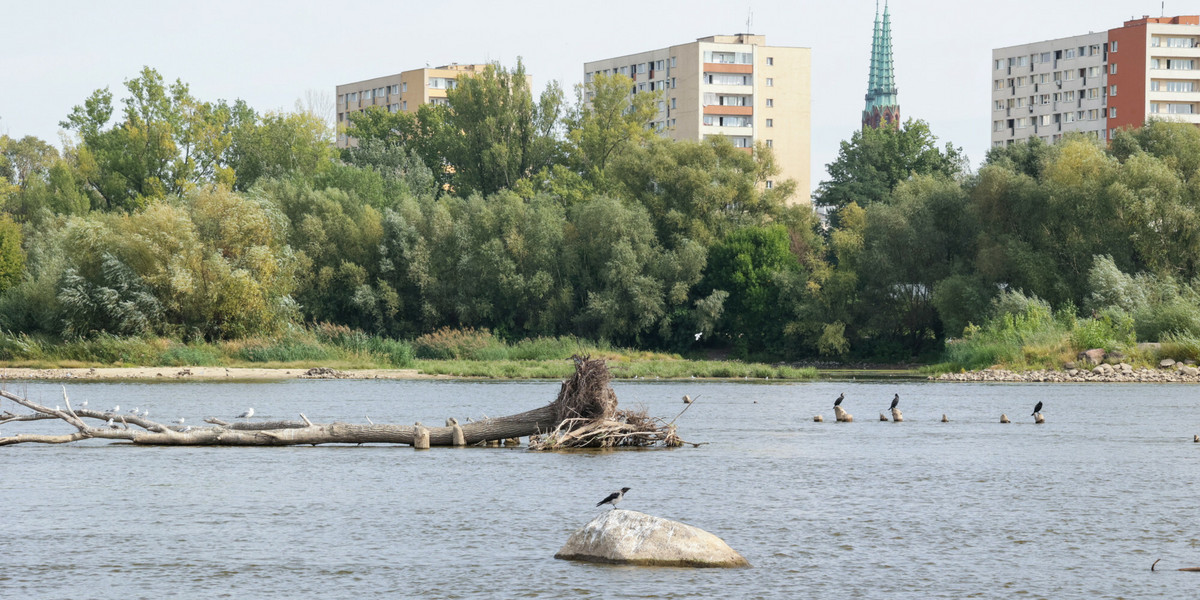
(54,53)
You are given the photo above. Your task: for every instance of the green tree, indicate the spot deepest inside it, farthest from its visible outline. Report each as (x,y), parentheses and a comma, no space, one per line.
(875,160)
(606,121)
(495,133)
(166,142)
(748,264)
(702,190)
(12,256)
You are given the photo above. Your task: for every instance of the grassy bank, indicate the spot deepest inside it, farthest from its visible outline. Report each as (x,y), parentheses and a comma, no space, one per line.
(461,353)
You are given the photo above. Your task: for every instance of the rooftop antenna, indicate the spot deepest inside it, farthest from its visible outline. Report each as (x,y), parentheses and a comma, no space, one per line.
(749,19)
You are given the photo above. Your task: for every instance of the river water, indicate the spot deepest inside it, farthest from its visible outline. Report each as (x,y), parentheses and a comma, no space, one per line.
(1076,508)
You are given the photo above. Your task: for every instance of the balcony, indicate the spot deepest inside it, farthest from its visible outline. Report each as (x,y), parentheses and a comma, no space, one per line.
(728,68)
(717,109)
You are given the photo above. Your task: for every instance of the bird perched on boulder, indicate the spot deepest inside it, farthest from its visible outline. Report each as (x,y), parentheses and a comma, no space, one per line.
(613,498)
(895,401)
(1037,409)
(840,397)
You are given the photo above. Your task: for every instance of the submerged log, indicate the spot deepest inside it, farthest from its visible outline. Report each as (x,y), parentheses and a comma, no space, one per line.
(584,400)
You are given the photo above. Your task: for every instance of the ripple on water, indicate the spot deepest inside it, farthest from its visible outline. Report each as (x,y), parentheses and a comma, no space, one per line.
(914,510)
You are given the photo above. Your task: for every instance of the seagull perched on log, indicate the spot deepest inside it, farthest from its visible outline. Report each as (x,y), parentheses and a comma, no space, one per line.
(613,498)
(1037,409)
(246,415)
(895,401)
(840,397)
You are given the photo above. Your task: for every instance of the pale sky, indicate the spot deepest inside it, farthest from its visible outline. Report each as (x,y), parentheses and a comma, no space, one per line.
(54,53)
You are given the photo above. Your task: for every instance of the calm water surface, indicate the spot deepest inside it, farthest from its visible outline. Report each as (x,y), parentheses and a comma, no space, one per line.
(1076,508)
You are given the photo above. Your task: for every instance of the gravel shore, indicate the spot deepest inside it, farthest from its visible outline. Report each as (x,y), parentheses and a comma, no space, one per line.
(1105,373)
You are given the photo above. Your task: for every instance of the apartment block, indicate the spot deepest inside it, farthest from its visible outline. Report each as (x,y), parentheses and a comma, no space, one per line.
(731,85)
(1097,83)
(402,92)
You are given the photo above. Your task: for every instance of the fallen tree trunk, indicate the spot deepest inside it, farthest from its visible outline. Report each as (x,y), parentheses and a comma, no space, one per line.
(585,404)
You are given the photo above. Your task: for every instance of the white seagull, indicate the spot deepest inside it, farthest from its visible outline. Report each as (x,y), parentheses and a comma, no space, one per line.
(179,420)
(613,498)
(246,415)
(698,334)
(115,408)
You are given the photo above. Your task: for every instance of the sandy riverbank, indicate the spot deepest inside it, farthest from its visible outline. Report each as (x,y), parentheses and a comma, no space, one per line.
(205,374)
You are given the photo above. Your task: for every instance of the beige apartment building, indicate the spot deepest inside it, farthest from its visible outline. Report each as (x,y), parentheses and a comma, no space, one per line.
(731,85)
(402,92)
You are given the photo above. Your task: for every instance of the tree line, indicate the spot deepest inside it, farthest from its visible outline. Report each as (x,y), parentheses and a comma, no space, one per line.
(167,215)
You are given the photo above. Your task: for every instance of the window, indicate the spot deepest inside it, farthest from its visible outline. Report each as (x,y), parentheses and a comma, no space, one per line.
(770,122)
(658,66)
(770,81)
(770,61)
(1154,108)
(1112,69)
(770,102)
(673,103)
(641,68)
(404,87)
(404,105)
(1180,109)
(770,184)
(999,64)
(1113,47)
(1070,53)
(770,143)
(672,62)
(1112,113)
(999,84)
(1181,42)
(999,105)
(672,83)
(1047,57)
(1112,90)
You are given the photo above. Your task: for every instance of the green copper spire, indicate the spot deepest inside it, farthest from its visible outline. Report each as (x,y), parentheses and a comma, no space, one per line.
(882,105)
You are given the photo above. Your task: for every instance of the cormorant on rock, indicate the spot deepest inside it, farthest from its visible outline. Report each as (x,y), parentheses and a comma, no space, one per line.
(840,397)
(1037,409)
(895,401)
(613,498)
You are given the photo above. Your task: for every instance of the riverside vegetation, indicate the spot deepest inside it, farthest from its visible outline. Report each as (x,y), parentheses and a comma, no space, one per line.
(173,230)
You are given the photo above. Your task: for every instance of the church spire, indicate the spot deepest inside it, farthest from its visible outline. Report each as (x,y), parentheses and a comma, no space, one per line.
(882,107)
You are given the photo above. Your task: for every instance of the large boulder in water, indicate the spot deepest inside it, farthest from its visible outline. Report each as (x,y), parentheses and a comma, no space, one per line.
(627,537)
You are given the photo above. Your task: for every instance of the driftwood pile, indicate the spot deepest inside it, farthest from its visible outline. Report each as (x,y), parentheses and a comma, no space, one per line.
(585,414)
(590,418)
